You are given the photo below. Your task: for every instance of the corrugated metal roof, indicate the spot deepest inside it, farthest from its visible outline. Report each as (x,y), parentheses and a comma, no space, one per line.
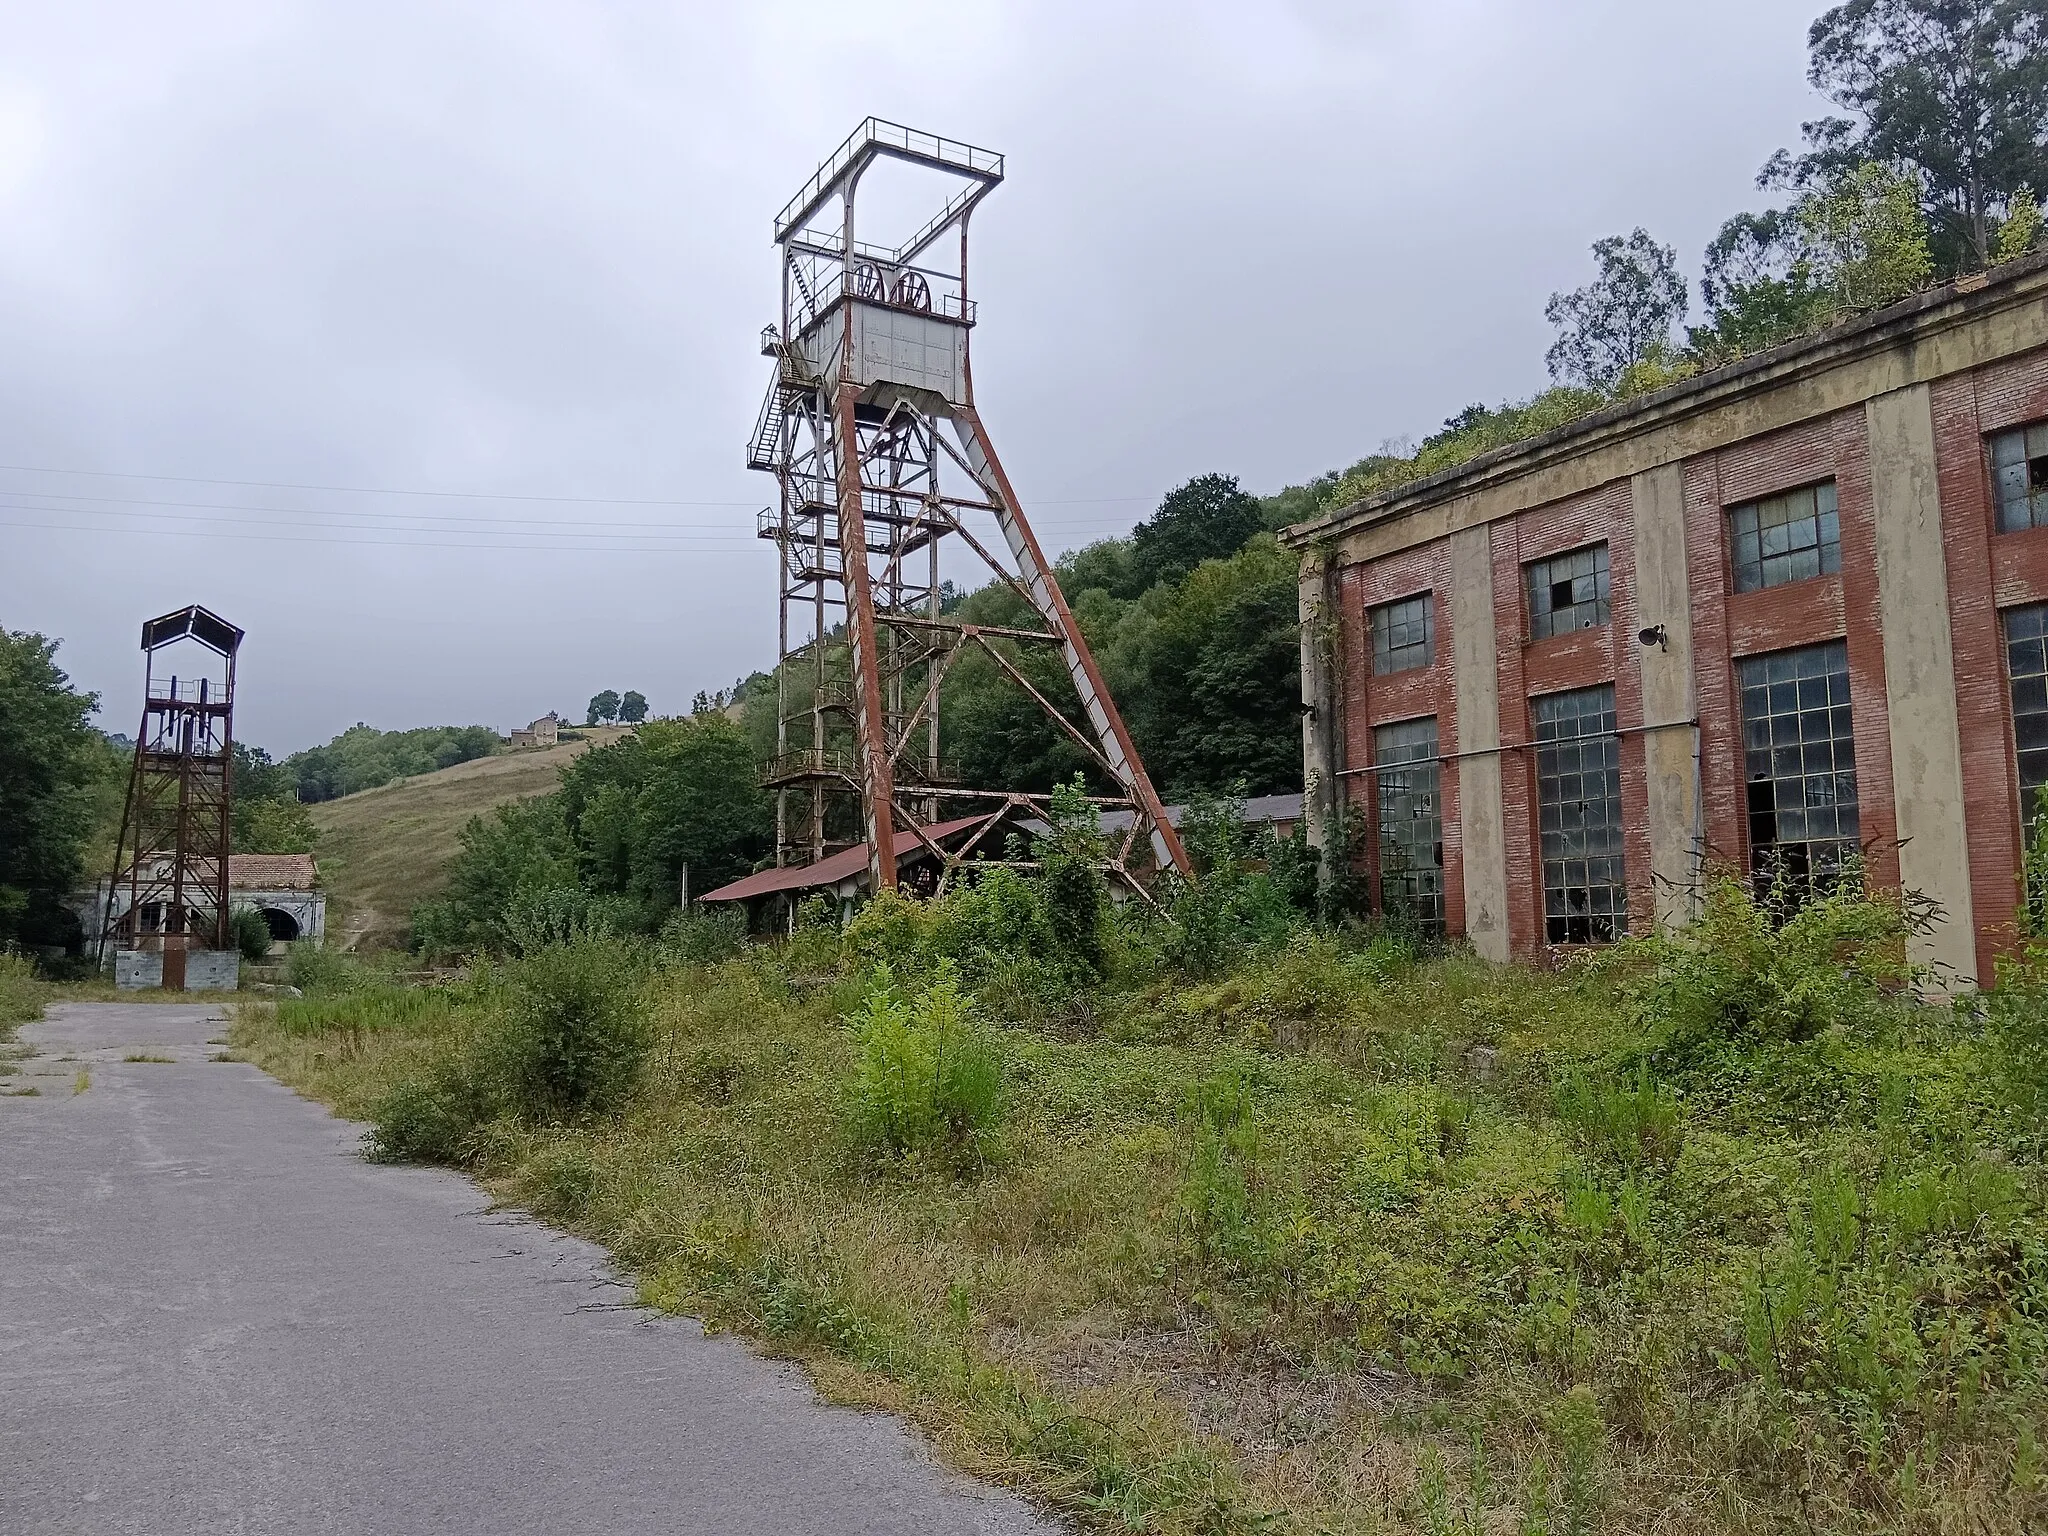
(844,865)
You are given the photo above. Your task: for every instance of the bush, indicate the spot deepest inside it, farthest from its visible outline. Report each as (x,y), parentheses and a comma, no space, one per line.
(251,934)
(1229,909)
(1070,859)
(21,994)
(428,1117)
(1635,1124)
(926,1081)
(704,936)
(311,968)
(574,1033)
(554,916)
(1739,972)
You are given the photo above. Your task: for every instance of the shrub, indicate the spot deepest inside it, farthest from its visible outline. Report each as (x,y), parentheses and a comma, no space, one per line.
(1738,971)
(251,934)
(312,969)
(21,994)
(574,1032)
(704,937)
(1636,1124)
(1229,908)
(926,1079)
(552,916)
(429,1115)
(1070,858)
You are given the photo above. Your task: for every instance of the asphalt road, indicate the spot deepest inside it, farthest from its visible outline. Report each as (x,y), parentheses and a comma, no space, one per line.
(215,1317)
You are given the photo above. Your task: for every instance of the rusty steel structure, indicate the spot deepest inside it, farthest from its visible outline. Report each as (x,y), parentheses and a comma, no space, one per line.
(883,465)
(171,854)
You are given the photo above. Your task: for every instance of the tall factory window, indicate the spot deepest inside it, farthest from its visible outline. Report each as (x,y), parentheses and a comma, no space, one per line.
(1403,635)
(2019,477)
(1568,592)
(1411,824)
(1799,758)
(2026,658)
(1785,538)
(1578,807)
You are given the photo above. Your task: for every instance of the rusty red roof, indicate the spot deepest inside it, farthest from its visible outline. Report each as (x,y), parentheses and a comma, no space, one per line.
(844,865)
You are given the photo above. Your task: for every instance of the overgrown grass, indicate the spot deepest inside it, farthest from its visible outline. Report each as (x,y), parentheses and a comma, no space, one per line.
(22,996)
(1696,1238)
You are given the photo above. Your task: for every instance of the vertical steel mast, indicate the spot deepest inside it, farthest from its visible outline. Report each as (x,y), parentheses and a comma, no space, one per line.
(172,851)
(871,431)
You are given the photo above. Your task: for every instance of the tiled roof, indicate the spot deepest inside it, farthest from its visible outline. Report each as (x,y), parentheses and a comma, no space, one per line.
(270,872)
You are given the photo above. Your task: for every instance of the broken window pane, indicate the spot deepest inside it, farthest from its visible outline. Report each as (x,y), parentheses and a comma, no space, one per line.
(1411,825)
(1568,592)
(1578,808)
(2019,477)
(1785,538)
(1799,755)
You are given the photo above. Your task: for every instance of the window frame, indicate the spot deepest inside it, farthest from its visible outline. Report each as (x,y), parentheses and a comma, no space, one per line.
(1562,758)
(1422,896)
(1600,573)
(2037,614)
(1823,549)
(1760,734)
(1393,668)
(2035,499)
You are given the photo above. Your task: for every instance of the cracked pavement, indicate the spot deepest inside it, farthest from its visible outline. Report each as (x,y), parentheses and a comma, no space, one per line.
(215,1317)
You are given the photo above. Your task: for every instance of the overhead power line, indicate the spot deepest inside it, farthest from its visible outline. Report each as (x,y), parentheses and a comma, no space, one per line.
(372,490)
(297,538)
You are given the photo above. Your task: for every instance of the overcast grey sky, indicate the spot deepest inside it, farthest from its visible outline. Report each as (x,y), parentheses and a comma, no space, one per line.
(518,250)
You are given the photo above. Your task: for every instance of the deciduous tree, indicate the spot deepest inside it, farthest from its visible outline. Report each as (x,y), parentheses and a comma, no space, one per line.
(1621,318)
(48,769)
(1951,92)
(1209,518)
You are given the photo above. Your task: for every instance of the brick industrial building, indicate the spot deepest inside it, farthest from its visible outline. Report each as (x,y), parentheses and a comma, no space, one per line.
(1768,617)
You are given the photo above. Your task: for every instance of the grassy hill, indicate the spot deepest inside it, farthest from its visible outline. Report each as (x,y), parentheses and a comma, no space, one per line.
(384,850)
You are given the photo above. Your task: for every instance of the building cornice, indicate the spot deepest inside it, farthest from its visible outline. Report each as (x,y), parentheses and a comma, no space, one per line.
(1964,324)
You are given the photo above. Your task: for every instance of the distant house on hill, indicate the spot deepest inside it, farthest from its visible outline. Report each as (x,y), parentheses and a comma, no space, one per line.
(544,732)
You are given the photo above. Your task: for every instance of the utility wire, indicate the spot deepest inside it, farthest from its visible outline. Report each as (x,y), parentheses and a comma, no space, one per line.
(257,538)
(511,529)
(508,525)
(372,490)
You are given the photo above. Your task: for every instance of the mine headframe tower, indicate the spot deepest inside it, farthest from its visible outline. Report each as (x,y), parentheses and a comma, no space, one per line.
(171,855)
(871,431)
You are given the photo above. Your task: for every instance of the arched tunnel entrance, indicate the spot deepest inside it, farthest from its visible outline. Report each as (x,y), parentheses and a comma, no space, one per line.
(282,925)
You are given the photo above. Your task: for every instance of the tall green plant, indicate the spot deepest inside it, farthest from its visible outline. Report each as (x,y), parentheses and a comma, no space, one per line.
(926,1080)
(1745,969)
(574,1033)
(1070,857)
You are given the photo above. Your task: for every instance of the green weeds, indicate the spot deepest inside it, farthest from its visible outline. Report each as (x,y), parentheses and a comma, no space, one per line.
(1716,1233)
(926,1079)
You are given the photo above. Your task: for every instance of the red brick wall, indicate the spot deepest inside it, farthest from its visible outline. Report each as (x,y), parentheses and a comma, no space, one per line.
(1987,571)
(1406,696)
(1582,659)
(1729,625)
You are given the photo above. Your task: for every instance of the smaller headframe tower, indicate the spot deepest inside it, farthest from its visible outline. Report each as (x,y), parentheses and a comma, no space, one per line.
(884,465)
(172,852)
